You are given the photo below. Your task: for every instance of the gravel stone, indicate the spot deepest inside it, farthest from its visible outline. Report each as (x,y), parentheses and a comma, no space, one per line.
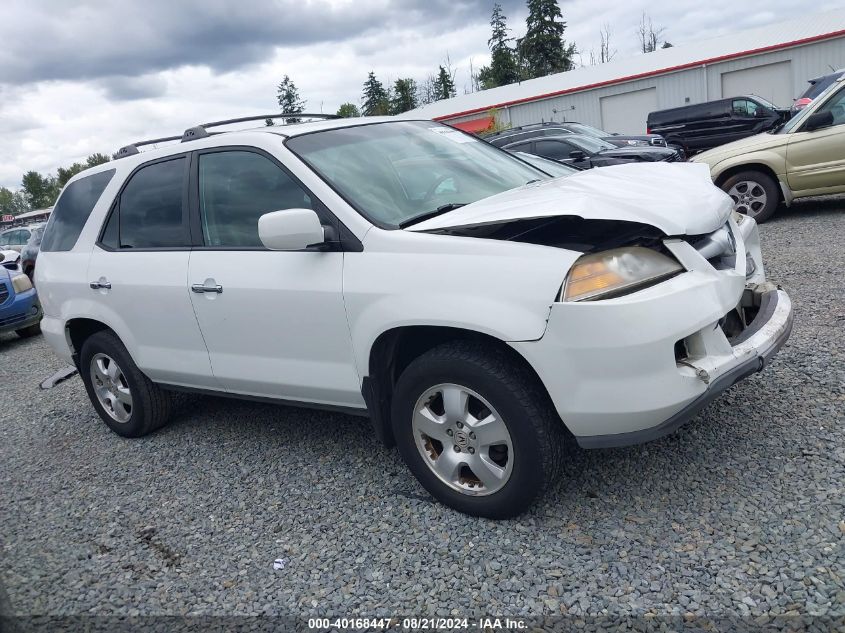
(740,513)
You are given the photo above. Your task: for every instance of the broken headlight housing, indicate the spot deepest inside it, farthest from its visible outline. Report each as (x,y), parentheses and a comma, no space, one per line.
(616,272)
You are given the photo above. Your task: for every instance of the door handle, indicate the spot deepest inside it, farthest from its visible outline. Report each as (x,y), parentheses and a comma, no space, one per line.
(203,288)
(97,285)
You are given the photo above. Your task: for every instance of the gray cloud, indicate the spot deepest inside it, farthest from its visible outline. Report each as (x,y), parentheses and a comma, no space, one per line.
(57,40)
(130,88)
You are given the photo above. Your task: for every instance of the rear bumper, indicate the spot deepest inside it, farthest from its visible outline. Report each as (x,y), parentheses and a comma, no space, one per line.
(759,343)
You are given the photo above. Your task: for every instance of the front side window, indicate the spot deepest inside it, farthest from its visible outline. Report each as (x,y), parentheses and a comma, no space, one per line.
(238,187)
(556,150)
(151,208)
(366,163)
(72,211)
(836,106)
(745,108)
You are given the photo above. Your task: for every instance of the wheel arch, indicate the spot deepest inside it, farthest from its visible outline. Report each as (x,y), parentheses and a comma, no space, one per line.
(759,166)
(394,349)
(78,330)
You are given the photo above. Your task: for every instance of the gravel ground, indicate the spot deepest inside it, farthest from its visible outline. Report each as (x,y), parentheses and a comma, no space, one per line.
(739,514)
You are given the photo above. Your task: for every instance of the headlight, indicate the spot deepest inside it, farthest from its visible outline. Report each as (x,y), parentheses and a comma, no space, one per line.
(21,283)
(739,218)
(616,272)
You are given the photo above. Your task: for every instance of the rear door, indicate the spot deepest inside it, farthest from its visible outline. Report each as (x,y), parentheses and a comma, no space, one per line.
(815,161)
(138,275)
(274,322)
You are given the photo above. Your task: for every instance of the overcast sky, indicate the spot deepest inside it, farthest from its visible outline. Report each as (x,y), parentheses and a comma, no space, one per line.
(78,77)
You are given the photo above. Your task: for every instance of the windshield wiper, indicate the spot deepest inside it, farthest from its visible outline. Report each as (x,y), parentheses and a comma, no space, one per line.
(431,214)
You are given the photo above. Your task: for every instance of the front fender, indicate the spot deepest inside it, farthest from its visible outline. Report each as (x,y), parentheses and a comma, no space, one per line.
(502,289)
(767,158)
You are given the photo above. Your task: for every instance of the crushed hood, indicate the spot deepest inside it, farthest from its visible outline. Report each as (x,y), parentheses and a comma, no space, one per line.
(677,198)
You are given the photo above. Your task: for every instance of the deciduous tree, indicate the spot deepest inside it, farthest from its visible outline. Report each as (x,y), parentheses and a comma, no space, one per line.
(348,110)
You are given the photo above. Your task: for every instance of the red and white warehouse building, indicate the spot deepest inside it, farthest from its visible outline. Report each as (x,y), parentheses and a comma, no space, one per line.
(773,62)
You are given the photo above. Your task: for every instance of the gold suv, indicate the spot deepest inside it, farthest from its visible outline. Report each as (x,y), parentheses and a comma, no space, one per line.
(803,157)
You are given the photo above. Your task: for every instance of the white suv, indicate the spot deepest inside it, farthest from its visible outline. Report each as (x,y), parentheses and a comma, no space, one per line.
(473,307)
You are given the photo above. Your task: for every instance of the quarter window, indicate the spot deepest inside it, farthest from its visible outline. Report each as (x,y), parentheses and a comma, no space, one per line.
(151,208)
(72,211)
(238,187)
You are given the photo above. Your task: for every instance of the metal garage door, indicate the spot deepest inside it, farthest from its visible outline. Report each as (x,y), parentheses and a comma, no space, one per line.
(772,82)
(627,113)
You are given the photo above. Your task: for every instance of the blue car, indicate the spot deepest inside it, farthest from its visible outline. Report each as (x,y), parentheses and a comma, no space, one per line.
(20,310)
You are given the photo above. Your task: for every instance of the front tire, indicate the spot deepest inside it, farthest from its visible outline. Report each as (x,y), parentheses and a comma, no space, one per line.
(476,429)
(754,193)
(126,400)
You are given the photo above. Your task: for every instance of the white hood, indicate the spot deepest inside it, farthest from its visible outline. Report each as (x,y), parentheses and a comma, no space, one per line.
(677,198)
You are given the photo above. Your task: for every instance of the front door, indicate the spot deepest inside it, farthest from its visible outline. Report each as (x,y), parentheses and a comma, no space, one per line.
(137,276)
(815,161)
(274,322)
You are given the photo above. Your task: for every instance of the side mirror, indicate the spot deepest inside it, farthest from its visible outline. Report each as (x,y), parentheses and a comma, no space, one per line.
(290,230)
(576,154)
(818,120)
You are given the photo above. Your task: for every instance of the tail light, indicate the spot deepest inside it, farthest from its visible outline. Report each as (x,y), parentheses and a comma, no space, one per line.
(648,130)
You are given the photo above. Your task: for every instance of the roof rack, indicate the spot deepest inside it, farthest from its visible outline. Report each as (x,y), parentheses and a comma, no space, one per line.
(200,131)
(129,150)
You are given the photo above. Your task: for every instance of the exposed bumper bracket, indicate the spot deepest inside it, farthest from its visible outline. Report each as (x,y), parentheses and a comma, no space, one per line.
(775,312)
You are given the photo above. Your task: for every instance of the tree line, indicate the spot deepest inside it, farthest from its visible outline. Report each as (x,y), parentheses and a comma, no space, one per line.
(39,191)
(541,51)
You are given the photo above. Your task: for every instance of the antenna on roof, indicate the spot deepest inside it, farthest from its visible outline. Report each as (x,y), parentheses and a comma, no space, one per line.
(201,130)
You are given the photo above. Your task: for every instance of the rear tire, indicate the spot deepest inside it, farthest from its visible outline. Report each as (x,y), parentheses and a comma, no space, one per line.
(754,193)
(502,468)
(29,330)
(126,400)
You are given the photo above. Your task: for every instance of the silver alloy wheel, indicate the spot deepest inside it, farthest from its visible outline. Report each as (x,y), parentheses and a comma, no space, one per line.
(749,197)
(463,439)
(111,388)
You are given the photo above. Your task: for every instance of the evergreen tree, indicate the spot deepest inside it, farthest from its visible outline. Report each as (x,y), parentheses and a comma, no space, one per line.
(503,69)
(375,99)
(444,85)
(289,101)
(543,50)
(404,96)
(348,110)
(96,159)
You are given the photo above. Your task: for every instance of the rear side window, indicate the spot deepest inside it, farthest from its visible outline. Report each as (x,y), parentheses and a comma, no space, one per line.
(72,211)
(151,210)
(236,188)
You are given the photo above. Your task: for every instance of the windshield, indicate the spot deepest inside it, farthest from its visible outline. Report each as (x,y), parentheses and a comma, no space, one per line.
(765,102)
(395,172)
(795,121)
(588,130)
(551,167)
(590,144)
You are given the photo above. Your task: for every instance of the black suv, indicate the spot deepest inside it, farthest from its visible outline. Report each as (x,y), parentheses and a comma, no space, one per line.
(551,128)
(585,152)
(705,125)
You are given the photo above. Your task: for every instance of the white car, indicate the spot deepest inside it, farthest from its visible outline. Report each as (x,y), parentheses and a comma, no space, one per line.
(471,306)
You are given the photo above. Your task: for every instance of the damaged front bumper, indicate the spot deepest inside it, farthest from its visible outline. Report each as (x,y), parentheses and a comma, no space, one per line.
(630,369)
(753,348)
